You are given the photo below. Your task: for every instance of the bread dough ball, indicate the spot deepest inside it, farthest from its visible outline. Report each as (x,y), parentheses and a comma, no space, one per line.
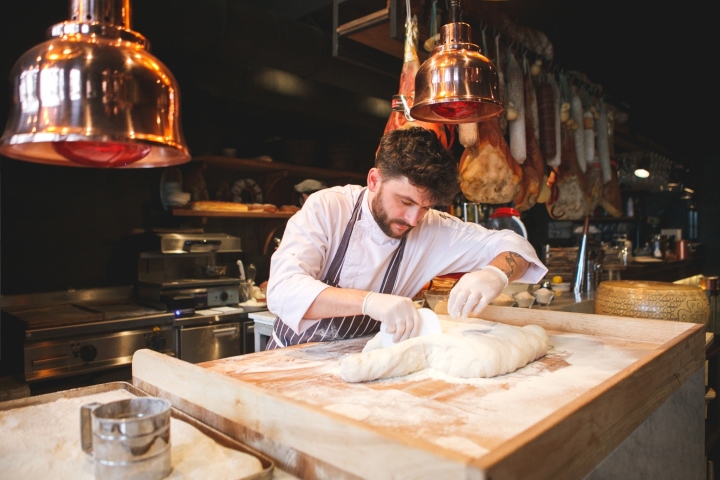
(464,350)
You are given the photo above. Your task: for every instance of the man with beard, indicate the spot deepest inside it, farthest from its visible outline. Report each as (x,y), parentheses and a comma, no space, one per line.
(353,256)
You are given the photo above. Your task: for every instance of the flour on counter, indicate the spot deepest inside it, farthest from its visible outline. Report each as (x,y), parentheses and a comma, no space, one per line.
(43,441)
(435,406)
(504,405)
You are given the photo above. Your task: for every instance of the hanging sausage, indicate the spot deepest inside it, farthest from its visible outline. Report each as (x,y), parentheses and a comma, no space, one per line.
(516,109)
(534,166)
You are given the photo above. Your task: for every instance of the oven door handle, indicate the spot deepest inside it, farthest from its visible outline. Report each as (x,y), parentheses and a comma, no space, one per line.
(225,332)
(45,361)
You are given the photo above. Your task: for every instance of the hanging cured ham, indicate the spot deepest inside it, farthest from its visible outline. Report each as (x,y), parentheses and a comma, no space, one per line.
(568,198)
(534,166)
(488,172)
(400,116)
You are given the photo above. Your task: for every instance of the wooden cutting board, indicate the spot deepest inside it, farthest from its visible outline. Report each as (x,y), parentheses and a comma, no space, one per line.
(557,417)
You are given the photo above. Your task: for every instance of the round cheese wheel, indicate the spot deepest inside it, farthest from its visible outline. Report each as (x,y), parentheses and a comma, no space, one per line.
(650,299)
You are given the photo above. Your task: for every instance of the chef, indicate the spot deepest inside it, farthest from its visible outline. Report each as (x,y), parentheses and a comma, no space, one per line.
(353,257)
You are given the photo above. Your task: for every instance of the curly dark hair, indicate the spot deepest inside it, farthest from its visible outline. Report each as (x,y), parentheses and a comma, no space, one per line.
(416,153)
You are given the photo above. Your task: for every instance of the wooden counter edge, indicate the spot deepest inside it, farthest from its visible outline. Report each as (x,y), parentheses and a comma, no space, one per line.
(225,404)
(630,328)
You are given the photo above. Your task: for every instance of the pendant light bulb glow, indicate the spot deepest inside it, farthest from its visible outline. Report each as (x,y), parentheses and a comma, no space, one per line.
(92,95)
(641,173)
(457,84)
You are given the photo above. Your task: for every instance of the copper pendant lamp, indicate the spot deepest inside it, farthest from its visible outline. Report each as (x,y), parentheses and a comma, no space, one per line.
(93,96)
(457,84)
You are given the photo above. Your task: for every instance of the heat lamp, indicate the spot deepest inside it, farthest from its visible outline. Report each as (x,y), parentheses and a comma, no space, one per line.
(93,96)
(457,84)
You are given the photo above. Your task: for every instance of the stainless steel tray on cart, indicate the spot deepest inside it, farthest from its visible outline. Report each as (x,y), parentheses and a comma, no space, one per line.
(222,439)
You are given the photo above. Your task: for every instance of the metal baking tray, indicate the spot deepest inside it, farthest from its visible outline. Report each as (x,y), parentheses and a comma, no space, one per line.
(219,437)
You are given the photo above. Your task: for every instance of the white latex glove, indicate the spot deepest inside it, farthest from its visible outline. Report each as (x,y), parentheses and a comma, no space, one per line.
(397,313)
(475,290)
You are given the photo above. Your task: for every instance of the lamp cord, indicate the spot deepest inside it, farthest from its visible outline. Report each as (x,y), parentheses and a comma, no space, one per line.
(455,11)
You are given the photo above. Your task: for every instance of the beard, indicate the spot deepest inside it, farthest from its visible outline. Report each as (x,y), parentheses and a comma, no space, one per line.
(382,218)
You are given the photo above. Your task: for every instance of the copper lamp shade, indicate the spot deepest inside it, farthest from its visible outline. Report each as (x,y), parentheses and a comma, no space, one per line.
(94,96)
(457,84)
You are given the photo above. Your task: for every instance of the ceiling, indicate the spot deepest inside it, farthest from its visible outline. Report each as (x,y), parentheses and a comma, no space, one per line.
(654,62)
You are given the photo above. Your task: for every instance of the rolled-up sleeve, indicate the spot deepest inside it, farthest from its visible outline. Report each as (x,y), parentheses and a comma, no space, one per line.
(449,245)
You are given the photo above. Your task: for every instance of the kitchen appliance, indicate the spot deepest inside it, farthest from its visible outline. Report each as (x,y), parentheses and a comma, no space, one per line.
(61,334)
(177,270)
(201,338)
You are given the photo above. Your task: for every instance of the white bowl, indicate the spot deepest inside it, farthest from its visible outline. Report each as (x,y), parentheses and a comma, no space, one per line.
(437,300)
(544,296)
(561,287)
(524,301)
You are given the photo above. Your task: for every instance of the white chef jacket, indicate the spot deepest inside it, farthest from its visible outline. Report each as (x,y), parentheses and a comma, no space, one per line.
(439,244)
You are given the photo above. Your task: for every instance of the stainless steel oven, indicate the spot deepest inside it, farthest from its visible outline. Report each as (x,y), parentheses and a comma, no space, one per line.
(205,338)
(210,342)
(68,333)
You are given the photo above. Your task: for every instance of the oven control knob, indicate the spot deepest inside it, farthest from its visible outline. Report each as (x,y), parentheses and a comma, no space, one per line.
(88,353)
(156,342)
(223,296)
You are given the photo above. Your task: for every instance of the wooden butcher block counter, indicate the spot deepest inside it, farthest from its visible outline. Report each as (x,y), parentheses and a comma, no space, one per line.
(558,417)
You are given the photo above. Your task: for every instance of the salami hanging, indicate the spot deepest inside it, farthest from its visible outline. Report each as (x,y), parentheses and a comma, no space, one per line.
(534,167)
(547,115)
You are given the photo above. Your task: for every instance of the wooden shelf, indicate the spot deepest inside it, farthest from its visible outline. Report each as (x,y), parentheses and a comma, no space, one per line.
(182,212)
(383,30)
(250,165)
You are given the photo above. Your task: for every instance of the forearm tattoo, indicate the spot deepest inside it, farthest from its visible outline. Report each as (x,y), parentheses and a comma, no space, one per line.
(512,267)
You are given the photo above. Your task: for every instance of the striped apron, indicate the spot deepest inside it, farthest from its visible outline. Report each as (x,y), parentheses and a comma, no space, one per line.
(339,328)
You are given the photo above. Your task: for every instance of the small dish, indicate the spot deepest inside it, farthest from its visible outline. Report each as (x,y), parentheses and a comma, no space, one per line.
(437,300)
(524,300)
(543,296)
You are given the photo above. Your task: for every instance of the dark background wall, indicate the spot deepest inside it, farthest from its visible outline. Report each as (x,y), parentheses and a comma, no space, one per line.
(70,227)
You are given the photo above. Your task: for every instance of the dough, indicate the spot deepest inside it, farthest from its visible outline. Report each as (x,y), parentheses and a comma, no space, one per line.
(464,350)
